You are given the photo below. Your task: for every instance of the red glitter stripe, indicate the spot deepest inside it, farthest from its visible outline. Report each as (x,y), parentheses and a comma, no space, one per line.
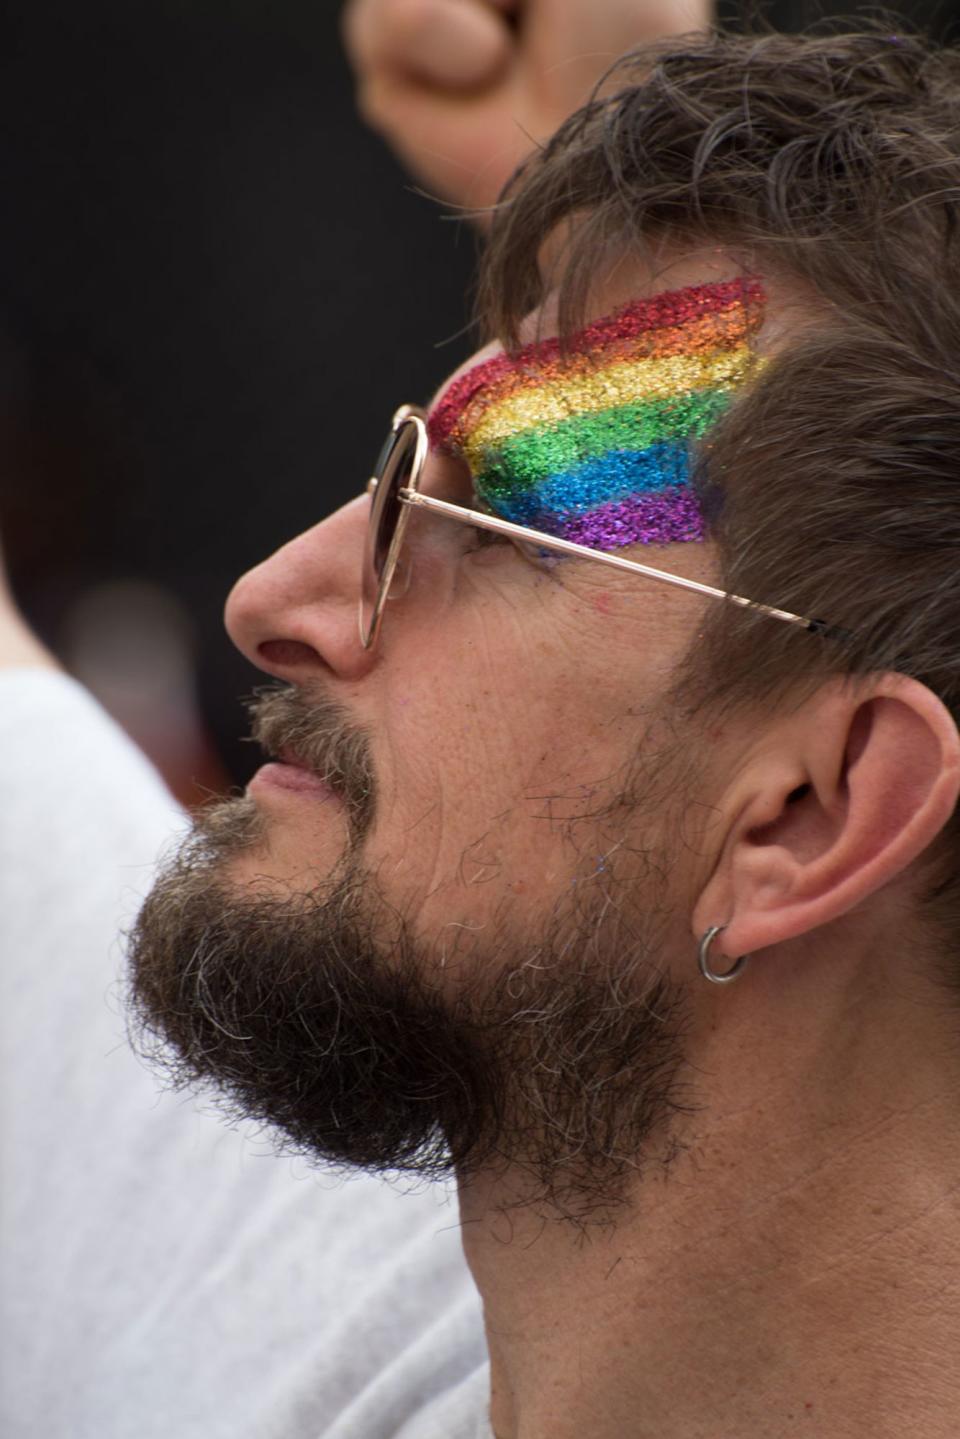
(671,310)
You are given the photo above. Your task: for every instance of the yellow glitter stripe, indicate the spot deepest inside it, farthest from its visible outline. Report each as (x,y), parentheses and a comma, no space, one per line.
(560,395)
(707,334)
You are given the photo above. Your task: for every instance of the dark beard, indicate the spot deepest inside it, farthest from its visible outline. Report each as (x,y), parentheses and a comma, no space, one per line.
(557,1057)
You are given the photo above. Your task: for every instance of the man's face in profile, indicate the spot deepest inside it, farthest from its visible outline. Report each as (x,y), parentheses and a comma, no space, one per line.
(439,926)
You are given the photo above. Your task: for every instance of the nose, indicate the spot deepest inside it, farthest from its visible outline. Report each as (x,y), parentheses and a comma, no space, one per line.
(295,615)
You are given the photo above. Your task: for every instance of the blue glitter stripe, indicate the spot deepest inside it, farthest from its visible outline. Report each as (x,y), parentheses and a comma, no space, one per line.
(608,477)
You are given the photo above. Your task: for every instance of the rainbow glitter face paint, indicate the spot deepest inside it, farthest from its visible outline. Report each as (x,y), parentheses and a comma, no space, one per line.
(593,441)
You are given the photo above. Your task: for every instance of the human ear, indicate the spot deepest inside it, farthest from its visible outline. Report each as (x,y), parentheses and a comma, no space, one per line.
(835,800)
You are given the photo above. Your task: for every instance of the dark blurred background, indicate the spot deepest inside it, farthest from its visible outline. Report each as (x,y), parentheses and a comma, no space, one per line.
(216,286)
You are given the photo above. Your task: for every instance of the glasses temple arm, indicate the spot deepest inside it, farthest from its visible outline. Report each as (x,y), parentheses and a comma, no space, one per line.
(498,526)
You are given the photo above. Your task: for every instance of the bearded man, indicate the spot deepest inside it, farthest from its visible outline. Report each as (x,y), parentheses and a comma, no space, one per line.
(608,864)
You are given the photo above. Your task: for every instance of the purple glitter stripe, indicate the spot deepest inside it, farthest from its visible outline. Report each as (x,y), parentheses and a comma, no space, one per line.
(667,517)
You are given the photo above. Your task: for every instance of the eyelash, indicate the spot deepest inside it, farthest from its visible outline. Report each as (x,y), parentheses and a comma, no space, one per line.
(540,559)
(484,538)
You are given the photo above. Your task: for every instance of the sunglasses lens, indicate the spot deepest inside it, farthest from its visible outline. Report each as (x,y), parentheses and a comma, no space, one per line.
(394,467)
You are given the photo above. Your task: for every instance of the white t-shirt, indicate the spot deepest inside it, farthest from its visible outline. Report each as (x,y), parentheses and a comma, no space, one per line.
(162,1276)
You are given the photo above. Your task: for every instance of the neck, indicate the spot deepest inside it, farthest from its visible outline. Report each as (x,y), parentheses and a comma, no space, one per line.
(799,1262)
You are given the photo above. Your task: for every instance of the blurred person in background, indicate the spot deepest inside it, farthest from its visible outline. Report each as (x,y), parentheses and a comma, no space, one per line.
(604,893)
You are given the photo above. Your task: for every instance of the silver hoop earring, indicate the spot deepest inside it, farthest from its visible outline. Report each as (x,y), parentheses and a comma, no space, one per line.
(703,958)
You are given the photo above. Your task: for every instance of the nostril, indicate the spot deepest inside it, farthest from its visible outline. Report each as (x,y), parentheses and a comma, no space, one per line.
(287,654)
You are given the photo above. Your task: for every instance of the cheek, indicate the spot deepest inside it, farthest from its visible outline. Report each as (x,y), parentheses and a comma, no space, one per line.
(490,773)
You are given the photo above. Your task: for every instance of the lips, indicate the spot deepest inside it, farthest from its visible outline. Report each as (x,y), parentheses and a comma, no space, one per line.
(316,747)
(289,772)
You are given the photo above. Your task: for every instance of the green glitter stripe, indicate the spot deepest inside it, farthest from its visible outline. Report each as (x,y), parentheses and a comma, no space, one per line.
(533,453)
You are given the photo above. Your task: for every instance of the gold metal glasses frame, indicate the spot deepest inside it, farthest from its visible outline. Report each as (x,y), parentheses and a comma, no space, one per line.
(394,490)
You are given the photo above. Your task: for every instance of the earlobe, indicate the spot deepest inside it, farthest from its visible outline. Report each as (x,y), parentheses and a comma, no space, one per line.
(841,797)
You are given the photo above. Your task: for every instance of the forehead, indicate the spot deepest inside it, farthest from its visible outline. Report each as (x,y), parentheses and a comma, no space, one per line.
(591,437)
(681,327)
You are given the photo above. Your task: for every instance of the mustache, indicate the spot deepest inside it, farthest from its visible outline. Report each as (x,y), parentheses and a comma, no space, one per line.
(319,734)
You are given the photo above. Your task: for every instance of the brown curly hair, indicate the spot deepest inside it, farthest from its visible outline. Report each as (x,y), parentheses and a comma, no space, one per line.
(832,159)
